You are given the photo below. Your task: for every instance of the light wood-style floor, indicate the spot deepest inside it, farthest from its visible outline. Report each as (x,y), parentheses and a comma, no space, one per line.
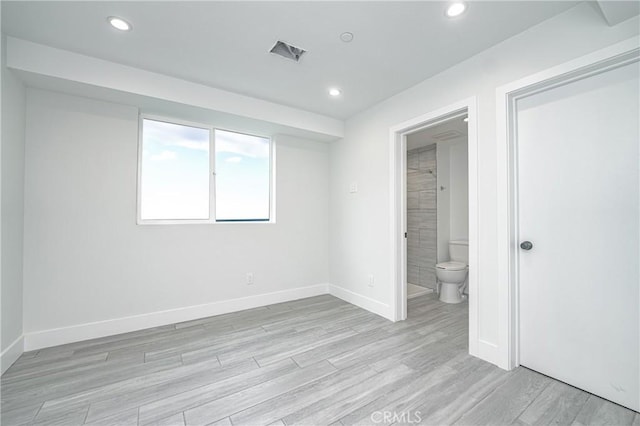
(315,361)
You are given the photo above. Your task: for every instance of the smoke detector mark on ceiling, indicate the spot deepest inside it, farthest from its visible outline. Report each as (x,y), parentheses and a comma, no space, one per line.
(287,51)
(447,136)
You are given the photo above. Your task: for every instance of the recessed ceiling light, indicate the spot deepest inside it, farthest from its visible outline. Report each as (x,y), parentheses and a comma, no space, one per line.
(334,92)
(456,9)
(347,37)
(466,119)
(119,23)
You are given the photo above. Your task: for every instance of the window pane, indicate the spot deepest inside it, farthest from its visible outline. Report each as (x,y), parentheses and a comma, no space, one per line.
(175,171)
(242,176)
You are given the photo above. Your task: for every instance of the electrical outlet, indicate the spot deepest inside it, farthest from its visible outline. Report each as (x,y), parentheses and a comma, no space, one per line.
(370,280)
(249,278)
(353,188)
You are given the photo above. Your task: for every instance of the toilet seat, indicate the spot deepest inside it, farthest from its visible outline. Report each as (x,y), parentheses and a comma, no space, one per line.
(452,266)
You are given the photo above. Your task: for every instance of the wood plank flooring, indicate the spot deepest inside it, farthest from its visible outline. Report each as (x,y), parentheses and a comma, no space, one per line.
(316,361)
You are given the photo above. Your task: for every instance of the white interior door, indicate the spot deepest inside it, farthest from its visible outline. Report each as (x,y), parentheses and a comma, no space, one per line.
(578,192)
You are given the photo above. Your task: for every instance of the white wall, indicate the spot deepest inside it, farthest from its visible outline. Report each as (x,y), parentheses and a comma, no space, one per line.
(13,126)
(453,202)
(459,188)
(86,260)
(360,225)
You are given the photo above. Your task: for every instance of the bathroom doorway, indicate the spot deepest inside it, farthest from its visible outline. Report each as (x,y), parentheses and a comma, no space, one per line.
(405,137)
(437,209)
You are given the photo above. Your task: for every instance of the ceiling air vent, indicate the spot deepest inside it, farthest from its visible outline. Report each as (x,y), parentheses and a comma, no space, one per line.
(447,136)
(287,51)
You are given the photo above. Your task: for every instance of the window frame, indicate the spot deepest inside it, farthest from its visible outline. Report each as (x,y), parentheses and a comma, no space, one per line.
(212,176)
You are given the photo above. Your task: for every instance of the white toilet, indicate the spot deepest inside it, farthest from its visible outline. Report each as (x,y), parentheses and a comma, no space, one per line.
(452,275)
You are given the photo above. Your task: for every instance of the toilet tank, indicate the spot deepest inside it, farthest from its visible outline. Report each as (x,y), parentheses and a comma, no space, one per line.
(459,251)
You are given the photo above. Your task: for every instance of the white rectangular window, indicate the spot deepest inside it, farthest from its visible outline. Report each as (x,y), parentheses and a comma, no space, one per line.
(197,174)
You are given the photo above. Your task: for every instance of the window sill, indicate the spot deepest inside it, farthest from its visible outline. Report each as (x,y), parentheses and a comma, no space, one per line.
(202,222)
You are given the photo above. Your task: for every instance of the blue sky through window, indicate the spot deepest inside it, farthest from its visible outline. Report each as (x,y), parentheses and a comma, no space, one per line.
(242,176)
(175,171)
(175,174)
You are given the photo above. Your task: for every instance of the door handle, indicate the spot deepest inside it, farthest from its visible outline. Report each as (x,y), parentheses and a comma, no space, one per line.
(526,245)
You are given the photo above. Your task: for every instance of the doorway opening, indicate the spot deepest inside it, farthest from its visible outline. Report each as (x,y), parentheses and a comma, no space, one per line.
(421,168)
(438,211)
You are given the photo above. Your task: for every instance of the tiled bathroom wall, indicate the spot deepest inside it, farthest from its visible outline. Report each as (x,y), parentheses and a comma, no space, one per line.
(421,217)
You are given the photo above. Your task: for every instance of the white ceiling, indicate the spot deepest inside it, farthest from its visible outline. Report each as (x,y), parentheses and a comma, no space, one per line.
(431,135)
(180,111)
(226,44)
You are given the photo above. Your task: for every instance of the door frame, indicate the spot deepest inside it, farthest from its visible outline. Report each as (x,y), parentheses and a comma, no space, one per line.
(398,202)
(617,55)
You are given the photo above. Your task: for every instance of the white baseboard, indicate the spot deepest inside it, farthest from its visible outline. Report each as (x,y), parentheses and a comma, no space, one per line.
(363,302)
(76,333)
(11,354)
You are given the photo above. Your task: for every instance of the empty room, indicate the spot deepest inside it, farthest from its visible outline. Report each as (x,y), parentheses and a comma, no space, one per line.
(320,213)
